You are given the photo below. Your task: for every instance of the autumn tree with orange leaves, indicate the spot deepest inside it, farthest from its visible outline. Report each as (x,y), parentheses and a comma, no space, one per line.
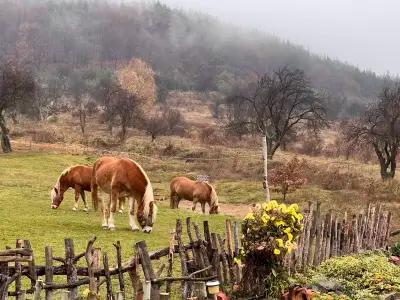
(137,93)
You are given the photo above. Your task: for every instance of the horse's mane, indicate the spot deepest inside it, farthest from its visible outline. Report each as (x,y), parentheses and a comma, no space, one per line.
(148,195)
(213,195)
(53,194)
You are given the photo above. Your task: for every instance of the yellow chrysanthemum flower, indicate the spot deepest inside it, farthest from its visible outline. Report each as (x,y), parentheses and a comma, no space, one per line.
(249,216)
(279,223)
(280,243)
(277,251)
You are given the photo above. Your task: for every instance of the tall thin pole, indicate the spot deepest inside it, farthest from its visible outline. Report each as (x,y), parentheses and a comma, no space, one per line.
(265,159)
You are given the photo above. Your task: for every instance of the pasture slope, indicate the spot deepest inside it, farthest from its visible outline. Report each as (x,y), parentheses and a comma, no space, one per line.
(25,182)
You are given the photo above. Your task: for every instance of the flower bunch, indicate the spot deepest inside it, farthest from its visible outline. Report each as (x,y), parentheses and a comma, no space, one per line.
(271,230)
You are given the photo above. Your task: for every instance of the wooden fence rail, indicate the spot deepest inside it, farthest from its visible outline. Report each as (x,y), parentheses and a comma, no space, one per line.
(205,257)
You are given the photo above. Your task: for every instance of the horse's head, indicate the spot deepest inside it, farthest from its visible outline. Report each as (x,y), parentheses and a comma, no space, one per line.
(56,197)
(147,217)
(214,210)
(214,205)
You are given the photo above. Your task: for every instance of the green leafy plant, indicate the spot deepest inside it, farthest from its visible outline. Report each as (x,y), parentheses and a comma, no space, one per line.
(395,250)
(363,276)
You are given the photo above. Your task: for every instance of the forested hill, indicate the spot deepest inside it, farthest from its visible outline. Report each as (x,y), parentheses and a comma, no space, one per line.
(188,51)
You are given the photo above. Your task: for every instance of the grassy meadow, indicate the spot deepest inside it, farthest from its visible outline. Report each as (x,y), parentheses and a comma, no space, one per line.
(25,182)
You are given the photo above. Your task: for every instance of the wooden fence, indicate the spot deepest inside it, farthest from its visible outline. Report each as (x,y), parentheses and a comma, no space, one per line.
(205,257)
(331,235)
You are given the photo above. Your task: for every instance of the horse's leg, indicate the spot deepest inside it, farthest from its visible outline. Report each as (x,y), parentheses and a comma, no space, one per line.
(121,204)
(84,200)
(195,200)
(113,208)
(132,220)
(203,207)
(105,209)
(77,194)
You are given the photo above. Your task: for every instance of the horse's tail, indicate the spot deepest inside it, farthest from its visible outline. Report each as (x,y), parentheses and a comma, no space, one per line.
(93,188)
(213,199)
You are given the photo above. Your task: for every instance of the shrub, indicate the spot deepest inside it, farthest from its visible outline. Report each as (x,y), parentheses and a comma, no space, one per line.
(212,136)
(363,276)
(43,136)
(395,250)
(269,233)
(289,177)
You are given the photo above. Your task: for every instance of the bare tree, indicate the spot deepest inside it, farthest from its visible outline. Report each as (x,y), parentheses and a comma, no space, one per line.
(277,104)
(167,122)
(16,85)
(380,127)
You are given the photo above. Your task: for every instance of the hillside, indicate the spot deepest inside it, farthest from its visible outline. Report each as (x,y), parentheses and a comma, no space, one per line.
(188,51)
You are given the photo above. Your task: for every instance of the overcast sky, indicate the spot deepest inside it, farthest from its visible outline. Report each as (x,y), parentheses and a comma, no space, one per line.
(365,33)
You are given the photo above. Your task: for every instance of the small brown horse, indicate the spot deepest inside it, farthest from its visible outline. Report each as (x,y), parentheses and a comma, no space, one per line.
(122,177)
(203,192)
(76,177)
(79,178)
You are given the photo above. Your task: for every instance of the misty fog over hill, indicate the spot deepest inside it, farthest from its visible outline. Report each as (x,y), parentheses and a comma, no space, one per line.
(187,50)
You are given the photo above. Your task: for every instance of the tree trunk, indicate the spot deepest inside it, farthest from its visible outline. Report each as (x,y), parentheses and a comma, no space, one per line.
(387,161)
(5,139)
(82,119)
(265,159)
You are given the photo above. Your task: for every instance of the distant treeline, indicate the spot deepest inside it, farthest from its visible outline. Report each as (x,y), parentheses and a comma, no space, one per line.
(187,51)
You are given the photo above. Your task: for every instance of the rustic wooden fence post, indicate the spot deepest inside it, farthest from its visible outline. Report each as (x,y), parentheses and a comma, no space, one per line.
(72,274)
(18,272)
(184,267)
(147,267)
(120,273)
(110,295)
(49,271)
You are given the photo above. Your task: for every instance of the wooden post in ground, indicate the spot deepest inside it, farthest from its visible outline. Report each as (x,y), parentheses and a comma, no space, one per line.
(170,260)
(110,295)
(31,265)
(49,271)
(72,275)
(4,282)
(91,261)
(236,237)
(224,260)
(148,272)
(216,258)
(38,289)
(120,273)
(207,237)
(184,267)
(18,272)
(265,160)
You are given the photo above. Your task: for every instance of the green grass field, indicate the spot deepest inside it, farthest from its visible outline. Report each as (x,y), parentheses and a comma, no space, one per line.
(25,183)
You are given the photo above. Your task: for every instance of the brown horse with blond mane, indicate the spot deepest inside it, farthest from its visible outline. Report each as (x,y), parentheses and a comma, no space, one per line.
(203,192)
(79,178)
(123,177)
(76,177)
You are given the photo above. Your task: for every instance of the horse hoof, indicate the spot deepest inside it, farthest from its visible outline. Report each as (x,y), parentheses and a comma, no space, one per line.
(105,227)
(111,228)
(121,211)
(86,209)
(74,209)
(135,229)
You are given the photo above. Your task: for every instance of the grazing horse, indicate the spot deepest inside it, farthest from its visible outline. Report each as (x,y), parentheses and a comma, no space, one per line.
(79,178)
(76,177)
(203,192)
(122,177)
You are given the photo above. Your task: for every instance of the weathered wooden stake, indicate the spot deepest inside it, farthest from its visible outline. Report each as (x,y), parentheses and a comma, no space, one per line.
(72,275)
